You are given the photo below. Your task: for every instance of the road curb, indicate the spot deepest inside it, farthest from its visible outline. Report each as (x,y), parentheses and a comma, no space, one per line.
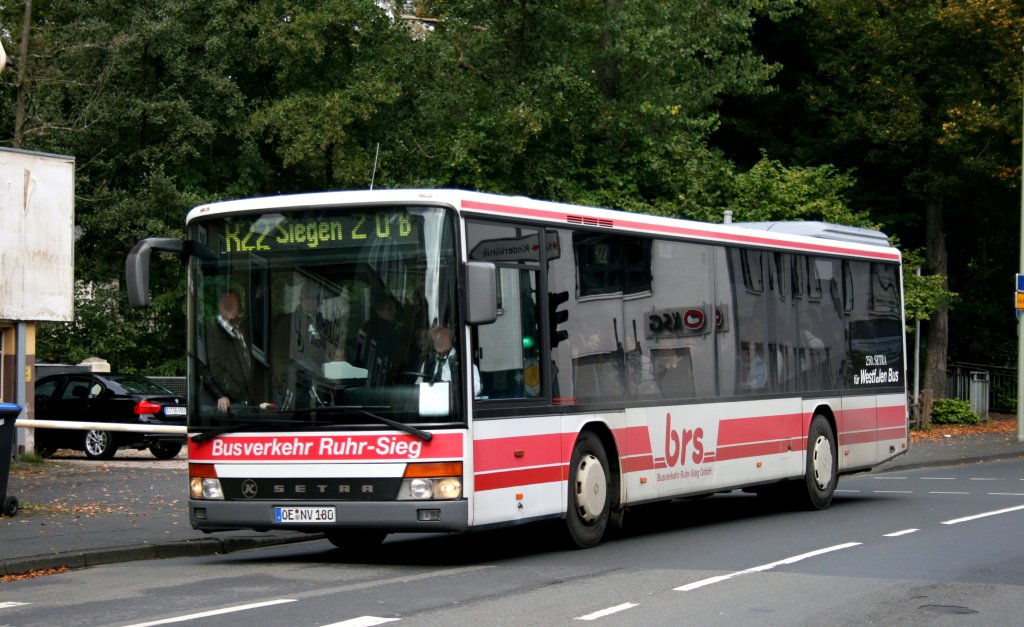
(936,463)
(139,552)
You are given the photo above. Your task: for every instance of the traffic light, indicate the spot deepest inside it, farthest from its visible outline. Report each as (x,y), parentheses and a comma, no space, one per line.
(556,317)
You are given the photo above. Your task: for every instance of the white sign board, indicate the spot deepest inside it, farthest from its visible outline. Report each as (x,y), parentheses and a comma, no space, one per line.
(37,246)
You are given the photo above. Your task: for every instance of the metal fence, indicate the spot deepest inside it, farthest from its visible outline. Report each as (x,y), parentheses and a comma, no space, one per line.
(987,388)
(174,384)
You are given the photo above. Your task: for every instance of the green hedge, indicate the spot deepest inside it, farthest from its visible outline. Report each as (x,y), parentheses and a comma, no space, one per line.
(953,411)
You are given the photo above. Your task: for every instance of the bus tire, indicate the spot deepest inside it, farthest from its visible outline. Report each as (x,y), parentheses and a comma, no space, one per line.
(356,543)
(165,450)
(821,470)
(590,500)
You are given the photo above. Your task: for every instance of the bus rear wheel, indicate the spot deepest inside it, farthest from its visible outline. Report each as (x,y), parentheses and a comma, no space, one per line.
(589,504)
(822,471)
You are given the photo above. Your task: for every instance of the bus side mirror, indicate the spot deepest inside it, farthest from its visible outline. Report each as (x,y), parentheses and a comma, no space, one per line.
(481,292)
(136,266)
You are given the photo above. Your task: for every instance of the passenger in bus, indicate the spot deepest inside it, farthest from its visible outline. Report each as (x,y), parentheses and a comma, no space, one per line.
(757,368)
(443,362)
(378,347)
(229,373)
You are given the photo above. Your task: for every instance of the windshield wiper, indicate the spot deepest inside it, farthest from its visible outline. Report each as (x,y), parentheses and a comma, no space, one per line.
(426,436)
(209,434)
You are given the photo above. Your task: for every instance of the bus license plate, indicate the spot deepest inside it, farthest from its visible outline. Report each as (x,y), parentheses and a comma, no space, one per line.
(304,515)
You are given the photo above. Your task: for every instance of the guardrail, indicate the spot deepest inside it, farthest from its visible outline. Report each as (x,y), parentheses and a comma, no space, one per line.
(101,426)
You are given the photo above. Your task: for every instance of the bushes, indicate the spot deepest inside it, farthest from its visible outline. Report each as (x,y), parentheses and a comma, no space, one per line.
(953,411)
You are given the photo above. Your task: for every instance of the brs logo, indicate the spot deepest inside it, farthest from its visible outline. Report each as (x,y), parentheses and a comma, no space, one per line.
(677,444)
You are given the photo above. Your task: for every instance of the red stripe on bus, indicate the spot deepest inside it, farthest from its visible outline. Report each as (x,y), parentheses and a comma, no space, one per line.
(743,451)
(892,416)
(639,464)
(518,477)
(758,428)
(632,441)
(858,437)
(857,419)
(536,450)
(625,222)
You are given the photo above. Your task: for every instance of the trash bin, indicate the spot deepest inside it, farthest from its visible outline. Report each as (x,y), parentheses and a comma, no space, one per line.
(979,393)
(8,415)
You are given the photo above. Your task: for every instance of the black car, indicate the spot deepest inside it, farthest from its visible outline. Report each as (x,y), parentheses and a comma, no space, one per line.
(107,397)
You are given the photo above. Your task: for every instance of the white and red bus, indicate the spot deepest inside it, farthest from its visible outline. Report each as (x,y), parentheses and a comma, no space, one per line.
(601,360)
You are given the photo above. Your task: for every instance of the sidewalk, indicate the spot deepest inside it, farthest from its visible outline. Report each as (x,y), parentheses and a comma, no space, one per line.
(77,512)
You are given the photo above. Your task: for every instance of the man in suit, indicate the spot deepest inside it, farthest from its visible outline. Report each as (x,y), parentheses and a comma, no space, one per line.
(443,363)
(228,355)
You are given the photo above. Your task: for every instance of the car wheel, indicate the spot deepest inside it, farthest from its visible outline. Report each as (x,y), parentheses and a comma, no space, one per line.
(10,506)
(43,447)
(165,450)
(590,499)
(99,444)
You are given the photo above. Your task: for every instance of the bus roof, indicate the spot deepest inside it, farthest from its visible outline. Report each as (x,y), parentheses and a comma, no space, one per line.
(807,237)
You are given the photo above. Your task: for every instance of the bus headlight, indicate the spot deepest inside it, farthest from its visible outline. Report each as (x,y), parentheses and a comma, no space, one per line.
(448,488)
(207,489)
(421,488)
(431,481)
(203,483)
(440,488)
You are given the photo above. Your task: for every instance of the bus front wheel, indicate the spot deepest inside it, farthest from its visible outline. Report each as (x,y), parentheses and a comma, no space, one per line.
(589,504)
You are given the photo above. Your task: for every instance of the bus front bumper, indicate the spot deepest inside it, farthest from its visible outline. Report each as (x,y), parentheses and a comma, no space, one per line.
(390,516)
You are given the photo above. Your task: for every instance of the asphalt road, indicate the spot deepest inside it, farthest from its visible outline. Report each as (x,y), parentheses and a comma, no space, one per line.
(934,546)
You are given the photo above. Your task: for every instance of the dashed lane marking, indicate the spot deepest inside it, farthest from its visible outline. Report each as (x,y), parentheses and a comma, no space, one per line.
(607,611)
(997,512)
(764,567)
(896,534)
(226,610)
(363,621)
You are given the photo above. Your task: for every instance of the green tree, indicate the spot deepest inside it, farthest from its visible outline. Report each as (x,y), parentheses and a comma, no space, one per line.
(922,98)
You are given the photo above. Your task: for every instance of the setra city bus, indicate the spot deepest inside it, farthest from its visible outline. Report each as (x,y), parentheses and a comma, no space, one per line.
(369,362)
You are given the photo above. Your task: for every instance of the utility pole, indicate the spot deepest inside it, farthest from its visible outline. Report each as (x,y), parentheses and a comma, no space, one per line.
(1020,334)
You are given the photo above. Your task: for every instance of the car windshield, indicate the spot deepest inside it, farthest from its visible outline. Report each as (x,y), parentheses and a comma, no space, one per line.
(320,317)
(137,385)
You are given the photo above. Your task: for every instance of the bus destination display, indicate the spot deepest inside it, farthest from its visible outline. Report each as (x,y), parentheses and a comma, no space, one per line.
(278,232)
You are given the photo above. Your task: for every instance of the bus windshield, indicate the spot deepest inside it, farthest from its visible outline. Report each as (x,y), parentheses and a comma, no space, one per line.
(322,317)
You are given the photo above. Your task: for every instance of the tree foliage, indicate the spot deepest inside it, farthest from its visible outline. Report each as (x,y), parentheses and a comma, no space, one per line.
(865,112)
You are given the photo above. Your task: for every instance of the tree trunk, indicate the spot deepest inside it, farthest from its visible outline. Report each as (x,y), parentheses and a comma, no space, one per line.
(19,111)
(937,336)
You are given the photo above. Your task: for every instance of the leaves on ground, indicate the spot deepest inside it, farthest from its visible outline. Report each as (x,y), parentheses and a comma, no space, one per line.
(997,423)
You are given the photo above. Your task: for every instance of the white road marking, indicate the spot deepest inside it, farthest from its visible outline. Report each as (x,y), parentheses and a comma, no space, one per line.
(9,604)
(1006,493)
(893,491)
(226,610)
(956,521)
(891,478)
(938,478)
(848,491)
(896,534)
(984,479)
(958,493)
(363,621)
(607,611)
(764,567)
